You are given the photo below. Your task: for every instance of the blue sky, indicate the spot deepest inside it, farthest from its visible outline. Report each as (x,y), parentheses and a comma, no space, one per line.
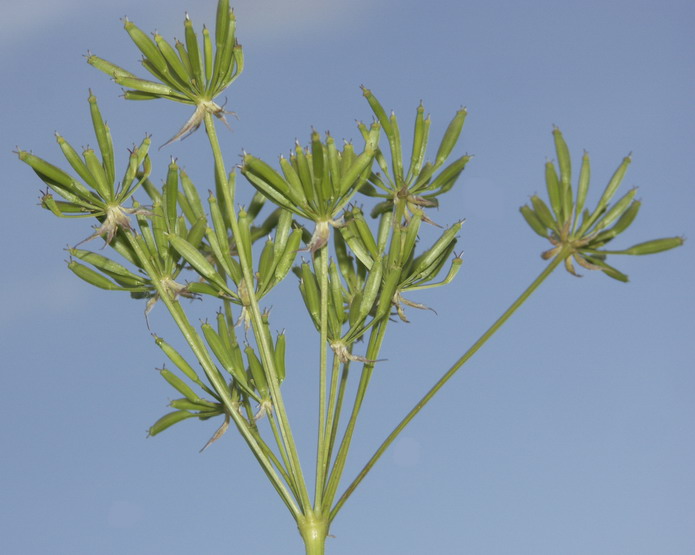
(570,433)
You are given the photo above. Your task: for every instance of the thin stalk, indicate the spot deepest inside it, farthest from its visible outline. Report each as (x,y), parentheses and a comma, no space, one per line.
(334,407)
(376,338)
(322,446)
(265,349)
(561,256)
(201,353)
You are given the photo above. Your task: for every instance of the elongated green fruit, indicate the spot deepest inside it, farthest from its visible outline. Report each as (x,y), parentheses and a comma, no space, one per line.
(390,285)
(178,384)
(178,360)
(169,420)
(74,159)
(617,210)
(533,221)
(92,277)
(363,231)
(201,405)
(554,192)
(310,293)
(609,192)
(543,213)
(451,137)
(583,186)
(104,140)
(303,169)
(207,54)
(420,138)
(177,69)
(563,158)
(439,246)
(194,55)
(257,372)
(107,67)
(654,246)
(145,86)
(280,348)
(286,260)
(110,267)
(353,178)
(371,290)
(224,355)
(99,180)
(146,46)
(293,181)
(196,259)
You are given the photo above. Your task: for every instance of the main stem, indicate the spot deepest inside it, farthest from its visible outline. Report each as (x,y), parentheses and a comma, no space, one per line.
(564,253)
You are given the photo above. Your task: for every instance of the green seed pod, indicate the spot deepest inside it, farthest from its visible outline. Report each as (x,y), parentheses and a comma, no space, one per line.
(192,195)
(183,57)
(379,112)
(201,405)
(178,360)
(304,171)
(309,288)
(228,359)
(197,260)
(286,259)
(443,243)
(333,161)
(169,420)
(627,218)
(177,70)
(282,232)
(409,238)
(654,246)
(583,186)
(257,372)
(292,179)
(318,162)
(99,180)
(178,384)
(337,297)
(222,23)
(92,277)
(563,159)
(385,225)
(420,138)
(608,193)
(371,290)
(354,241)
(151,87)
(207,54)
(194,57)
(171,194)
(617,210)
(60,208)
(222,256)
(533,221)
(347,158)
(53,176)
(107,67)
(74,159)
(267,181)
(113,269)
(363,231)
(354,178)
(266,267)
(543,213)
(244,242)
(450,138)
(280,347)
(388,290)
(146,46)
(554,193)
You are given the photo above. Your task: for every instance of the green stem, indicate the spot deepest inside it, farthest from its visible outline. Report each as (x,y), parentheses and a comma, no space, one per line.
(375,340)
(265,348)
(216,380)
(313,530)
(322,446)
(445,378)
